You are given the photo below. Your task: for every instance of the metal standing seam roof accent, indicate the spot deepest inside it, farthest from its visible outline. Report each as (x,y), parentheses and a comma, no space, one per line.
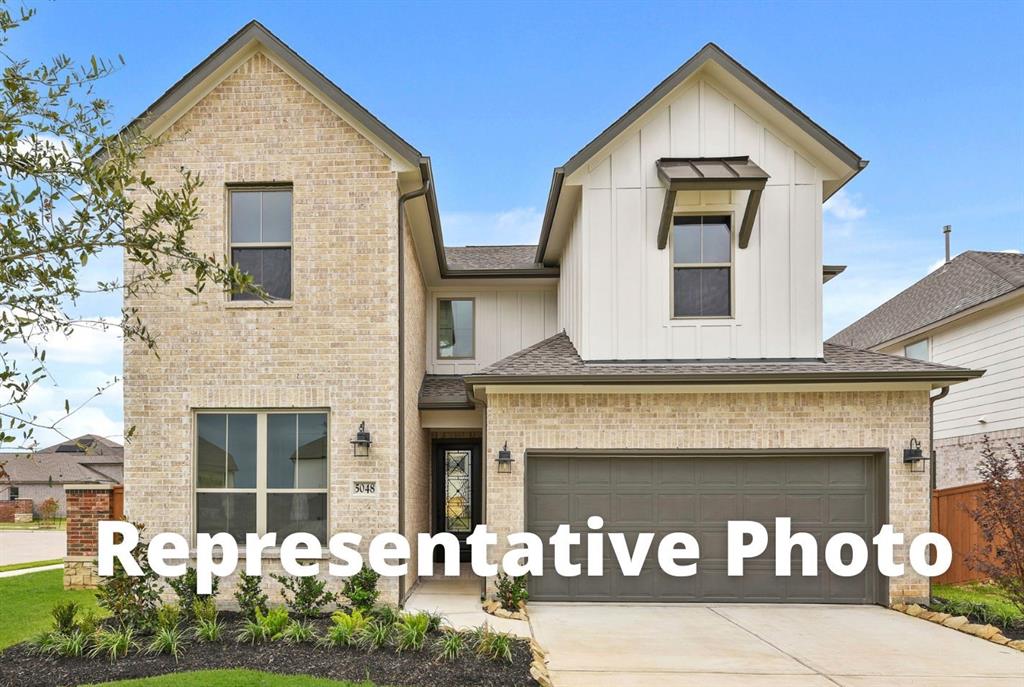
(969,280)
(556,361)
(709,53)
(736,173)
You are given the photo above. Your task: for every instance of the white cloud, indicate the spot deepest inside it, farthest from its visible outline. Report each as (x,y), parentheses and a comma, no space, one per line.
(88,420)
(95,341)
(515,226)
(844,207)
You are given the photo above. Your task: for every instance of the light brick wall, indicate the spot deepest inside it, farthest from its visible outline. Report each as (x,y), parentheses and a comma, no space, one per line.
(862,419)
(334,347)
(956,461)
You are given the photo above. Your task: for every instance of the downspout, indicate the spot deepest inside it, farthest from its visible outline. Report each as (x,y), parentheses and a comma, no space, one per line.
(401,366)
(932,454)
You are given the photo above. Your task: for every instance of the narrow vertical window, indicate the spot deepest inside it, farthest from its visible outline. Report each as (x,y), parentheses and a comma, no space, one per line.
(701,266)
(455,328)
(261,239)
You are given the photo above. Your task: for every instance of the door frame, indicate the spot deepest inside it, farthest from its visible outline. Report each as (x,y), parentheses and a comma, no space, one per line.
(438,448)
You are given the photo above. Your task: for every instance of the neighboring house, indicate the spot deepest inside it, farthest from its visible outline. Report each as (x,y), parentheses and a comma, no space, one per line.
(656,359)
(969,313)
(88,459)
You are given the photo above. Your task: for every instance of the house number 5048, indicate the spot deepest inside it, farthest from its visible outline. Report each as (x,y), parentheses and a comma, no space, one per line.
(364,488)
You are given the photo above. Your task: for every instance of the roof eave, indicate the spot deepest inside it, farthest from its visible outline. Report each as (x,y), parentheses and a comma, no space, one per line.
(950,376)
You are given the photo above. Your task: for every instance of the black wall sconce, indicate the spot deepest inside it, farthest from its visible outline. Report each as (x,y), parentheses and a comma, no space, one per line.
(914,456)
(505,460)
(361,443)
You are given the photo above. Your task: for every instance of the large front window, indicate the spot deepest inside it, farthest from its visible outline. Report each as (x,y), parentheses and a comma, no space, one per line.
(261,472)
(455,328)
(701,266)
(261,239)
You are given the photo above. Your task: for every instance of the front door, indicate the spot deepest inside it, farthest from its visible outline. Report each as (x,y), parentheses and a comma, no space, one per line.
(457,491)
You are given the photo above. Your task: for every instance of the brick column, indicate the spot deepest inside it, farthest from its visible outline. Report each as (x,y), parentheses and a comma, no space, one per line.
(87,505)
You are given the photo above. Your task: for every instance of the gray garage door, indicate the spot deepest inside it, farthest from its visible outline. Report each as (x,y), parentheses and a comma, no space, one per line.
(823,494)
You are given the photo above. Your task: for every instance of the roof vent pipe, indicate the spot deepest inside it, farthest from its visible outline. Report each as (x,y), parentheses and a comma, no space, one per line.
(947,230)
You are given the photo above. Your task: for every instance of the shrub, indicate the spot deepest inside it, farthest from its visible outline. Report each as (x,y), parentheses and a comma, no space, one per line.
(204,609)
(209,630)
(88,622)
(131,600)
(71,644)
(186,588)
(386,613)
(305,596)
(361,589)
(114,643)
(250,596)
(298,632)
(64,617)
(48,509)
(434,621)
(266,627)
(495,646)
(983,613)
(511,591)
(345,628)
(411,631)
(1000,516)
(168,640)
(44,643)
(375,635)
(451,645)
(168,616)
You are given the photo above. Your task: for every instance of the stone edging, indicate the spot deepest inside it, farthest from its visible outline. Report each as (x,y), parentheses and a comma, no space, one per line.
(539,667)
(959,622)
(494,608)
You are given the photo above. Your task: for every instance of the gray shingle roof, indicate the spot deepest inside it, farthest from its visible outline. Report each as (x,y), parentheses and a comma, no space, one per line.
(555,360)
(65,462)
(491,257)
(443,391)
(968,280)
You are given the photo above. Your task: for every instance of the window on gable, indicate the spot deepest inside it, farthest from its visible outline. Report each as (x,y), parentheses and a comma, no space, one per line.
(261,239)
(702,266)
(917,350)
(275,485)
(455,328)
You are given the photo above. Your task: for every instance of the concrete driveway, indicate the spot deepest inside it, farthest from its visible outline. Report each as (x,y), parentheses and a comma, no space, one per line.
(31,545)
(601,645)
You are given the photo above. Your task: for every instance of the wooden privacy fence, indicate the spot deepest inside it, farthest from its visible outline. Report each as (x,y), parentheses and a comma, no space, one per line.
(117,502)
(951,518)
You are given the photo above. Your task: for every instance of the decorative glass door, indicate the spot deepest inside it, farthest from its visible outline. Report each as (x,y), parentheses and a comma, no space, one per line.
(458,491)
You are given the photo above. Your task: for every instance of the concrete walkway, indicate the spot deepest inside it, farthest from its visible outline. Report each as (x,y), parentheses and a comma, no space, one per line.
(27,571)
(601,645)
(25,546)
(458,600)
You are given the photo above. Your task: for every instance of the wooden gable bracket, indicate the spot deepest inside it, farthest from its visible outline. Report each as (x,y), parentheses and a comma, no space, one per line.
(710,174)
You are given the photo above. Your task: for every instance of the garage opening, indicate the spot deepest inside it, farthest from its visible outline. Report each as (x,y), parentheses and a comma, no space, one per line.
(823,491)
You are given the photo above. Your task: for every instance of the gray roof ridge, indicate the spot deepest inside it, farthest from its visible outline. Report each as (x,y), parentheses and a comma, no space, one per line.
(554,338)
(997,270)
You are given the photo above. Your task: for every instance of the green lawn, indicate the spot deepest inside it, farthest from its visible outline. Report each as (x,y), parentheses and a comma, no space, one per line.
(26,601)
(978,593)
(55,524)
(233,678)
(33,564)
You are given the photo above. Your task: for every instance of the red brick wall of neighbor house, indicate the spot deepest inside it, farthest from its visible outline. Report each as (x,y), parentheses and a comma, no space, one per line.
(10,510)
(85,509)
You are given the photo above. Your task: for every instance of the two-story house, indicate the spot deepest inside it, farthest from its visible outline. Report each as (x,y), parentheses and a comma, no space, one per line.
(656,359)
(969,312)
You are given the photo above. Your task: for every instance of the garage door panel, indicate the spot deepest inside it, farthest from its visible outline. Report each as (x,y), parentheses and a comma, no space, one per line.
(822,494)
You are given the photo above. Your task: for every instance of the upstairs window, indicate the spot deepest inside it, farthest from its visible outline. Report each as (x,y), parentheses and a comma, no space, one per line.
(917,350)
(702,266)
(261,239)
(455,328)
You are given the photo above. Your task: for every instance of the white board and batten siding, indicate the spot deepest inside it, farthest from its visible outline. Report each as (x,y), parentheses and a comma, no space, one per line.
(990,340)
(614,292)
(506,321)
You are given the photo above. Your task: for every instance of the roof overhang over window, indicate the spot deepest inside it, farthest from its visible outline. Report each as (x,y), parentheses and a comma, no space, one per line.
(710,174)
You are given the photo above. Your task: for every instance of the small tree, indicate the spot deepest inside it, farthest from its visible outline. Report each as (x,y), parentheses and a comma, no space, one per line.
(1000,515)
(48,509)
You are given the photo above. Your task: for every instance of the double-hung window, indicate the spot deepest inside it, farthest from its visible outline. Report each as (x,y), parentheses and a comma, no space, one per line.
(261,472)
(261,238)
(702,266)
(455,328)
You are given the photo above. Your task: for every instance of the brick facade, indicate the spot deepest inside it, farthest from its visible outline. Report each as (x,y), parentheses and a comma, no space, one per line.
(861,419)
(86,506)
(16,510)
(956,458)
(334,347)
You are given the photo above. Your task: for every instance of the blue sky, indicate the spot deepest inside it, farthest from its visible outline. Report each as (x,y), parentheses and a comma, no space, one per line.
(931,93)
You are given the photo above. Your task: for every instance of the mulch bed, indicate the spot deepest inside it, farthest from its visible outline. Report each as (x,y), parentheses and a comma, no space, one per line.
(22,668)
(1009,631)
